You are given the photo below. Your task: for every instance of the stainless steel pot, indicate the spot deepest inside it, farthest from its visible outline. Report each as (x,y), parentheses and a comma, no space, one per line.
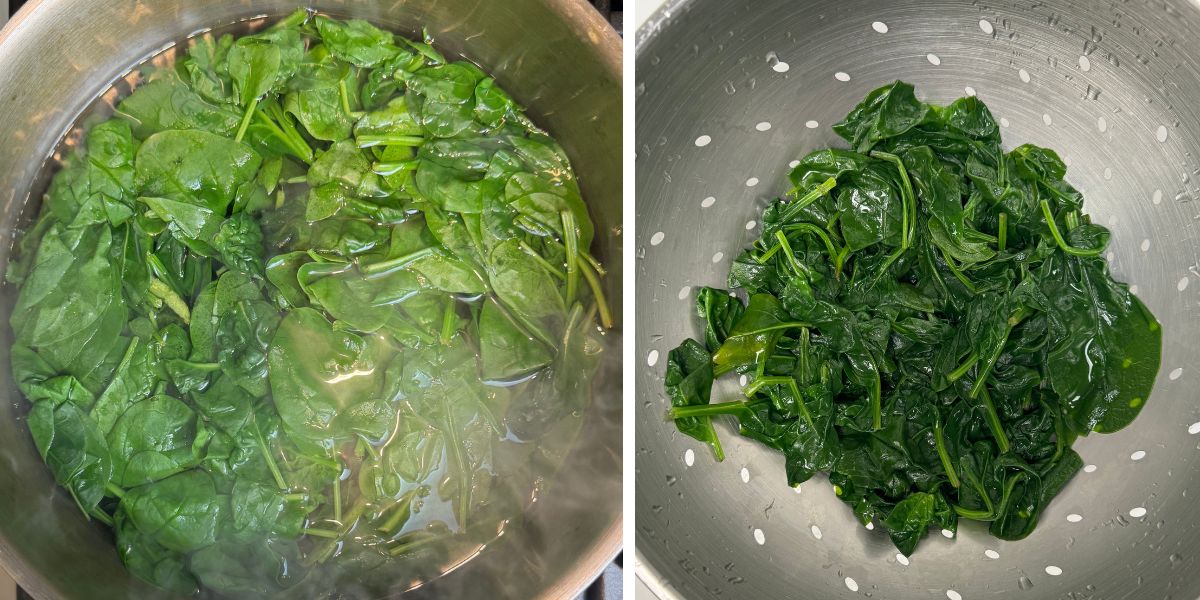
(557,57)
(730,91)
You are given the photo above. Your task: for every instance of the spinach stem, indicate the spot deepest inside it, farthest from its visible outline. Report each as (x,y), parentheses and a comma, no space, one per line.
(449,320)
(907,197)
(962,369)
(300,149)
(943,454)
(834,253)
(957,273)
(345,94)
(270,460)
(790,382)
(799,269)
(1002,235)
(111,488)
(321,533)
(606,318)
(541,261)
(395,264)
(993,420)
(241,132)
(337,497)
(401,511)
(177,305)
(794,207)
(410,546)
(371,140)
(101,516)
(712,410)
(591,260)
(323,553)
(393,167)
(1058,238)
(986,368)
(571,242)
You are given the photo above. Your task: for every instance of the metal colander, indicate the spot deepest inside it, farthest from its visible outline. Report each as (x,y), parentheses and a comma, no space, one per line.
(730,92)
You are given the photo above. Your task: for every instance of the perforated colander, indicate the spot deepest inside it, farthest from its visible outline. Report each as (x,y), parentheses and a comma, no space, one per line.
(730,92)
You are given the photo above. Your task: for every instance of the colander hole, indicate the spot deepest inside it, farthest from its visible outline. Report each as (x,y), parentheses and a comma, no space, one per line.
(816,531)
(879,27)
(933,59)
(1133,289)
(1182,285)
(842,76)
(851,584)
(763,126)
(793,164)
(1102,124)
(684,292)
(657,238)
(1089,469)
(760,537)
(953,595)
(986,26)
(1194,428)
(1111,256)
(1085,64)
(946,533)
(1137,512)
(707,202)
(718,256)
(1157,197)
(1176,373)
(811,124)
(751,224)
(1107,173)
(1066,160)
(1046,118)
(1053,571)
(1074,518)
(902,559)
(992,554)
(1003,122)
(745,475)
(780,67)
(689,457)
(870,527)
(1146,245)
(742,381)
(652,358)
(1161,133)
(753,181)
(969,90)
(703,141)
(797,489)
(1024,75)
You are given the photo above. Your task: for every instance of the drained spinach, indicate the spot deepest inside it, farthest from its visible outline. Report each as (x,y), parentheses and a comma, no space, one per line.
(928,320)
(312,302)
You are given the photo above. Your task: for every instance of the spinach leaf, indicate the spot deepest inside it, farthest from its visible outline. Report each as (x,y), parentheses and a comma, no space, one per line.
(928,321)
(154,438)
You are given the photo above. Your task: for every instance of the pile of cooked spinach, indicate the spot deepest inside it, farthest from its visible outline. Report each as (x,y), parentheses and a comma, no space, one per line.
(309,303)
(928,319)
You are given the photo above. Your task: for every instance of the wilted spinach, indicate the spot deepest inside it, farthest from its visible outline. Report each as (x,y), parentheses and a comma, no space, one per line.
(928,320)
(300,306)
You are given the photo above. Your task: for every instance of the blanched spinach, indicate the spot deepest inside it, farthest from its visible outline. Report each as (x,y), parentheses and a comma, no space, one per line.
(293,314)
(928,320)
